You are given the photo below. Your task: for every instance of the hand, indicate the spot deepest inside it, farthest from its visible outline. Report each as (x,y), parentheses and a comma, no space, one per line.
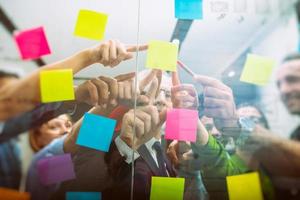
(112,52)
(128,92)
(218,103)
(102,90)
(258,139)
(184,96)
(182,157)
(146,123)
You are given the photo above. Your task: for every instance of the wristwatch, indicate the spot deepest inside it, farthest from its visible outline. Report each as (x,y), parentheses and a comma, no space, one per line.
(247,126)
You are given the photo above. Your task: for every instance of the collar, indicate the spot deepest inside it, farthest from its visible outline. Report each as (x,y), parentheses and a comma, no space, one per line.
(150,143)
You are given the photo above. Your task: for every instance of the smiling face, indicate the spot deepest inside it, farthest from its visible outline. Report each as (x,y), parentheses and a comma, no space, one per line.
(54,129)
(49,131)
(288,82)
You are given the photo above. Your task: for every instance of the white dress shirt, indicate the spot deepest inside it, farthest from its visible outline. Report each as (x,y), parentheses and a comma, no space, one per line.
(126,151)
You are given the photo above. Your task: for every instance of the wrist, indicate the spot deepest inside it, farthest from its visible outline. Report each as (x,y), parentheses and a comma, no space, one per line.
(228,127)
(92,54)
(202,134)
(87,58)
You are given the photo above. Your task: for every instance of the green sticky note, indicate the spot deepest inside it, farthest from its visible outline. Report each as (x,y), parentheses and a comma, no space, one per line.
(56,85)
(245,186)
(162,55)
(91,24)
(167,188)
(257,70)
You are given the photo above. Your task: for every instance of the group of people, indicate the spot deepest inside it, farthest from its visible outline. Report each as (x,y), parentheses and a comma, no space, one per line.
(231,139)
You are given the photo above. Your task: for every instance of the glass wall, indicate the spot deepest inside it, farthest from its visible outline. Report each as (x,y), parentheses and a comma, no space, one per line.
(160,100)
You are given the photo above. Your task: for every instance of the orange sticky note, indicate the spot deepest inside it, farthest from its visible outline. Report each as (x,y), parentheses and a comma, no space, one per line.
(244,186)
(9,194)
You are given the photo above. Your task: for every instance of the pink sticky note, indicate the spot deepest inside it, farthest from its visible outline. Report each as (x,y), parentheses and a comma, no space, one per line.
(181,124)
(32,43)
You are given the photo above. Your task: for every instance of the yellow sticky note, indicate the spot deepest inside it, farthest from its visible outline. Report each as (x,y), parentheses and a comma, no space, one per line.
(167,188)
(257,70)
(9,194)
(245,186)
(162,55)
(91,24)
(56,85)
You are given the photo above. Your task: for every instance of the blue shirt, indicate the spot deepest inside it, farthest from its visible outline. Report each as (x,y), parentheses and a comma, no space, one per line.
(10,164)
(33,185)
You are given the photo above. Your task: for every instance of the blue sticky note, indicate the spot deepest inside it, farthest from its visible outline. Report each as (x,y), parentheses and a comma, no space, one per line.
(83,196)
(96,132)
(189,9)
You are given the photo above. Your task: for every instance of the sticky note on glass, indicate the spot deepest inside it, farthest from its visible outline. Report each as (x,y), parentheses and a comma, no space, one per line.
(55,169)
(189,9)
(32,43)
(181,124)
(257,70)
(96,132)
(83,195)
(9,194)
(167,188)
(56,85)
(162,55)
(245,186)
(91,24)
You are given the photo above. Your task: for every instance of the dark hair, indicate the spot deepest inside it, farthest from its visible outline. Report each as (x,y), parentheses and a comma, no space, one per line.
(263,116)
(4,74)
(290,57)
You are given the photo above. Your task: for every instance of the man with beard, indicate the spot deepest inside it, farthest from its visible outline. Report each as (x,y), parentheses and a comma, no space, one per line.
(288,82)
(278,156)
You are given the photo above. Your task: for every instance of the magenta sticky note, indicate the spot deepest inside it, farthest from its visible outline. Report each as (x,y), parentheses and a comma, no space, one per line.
(32,43)
(181,124)
(55,169)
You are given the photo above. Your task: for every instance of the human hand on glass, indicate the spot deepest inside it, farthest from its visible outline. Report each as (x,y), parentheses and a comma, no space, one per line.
(218,103)
(113,52)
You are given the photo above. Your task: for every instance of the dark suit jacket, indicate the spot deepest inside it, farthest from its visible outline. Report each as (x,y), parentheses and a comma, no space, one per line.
(110,174)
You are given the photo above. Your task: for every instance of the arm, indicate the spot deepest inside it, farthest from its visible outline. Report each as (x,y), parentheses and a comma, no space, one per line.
(86,95)
(212,156)
(70,141)
(104,91)
(279,156)
(24,94)
(218,103)
(215,161)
